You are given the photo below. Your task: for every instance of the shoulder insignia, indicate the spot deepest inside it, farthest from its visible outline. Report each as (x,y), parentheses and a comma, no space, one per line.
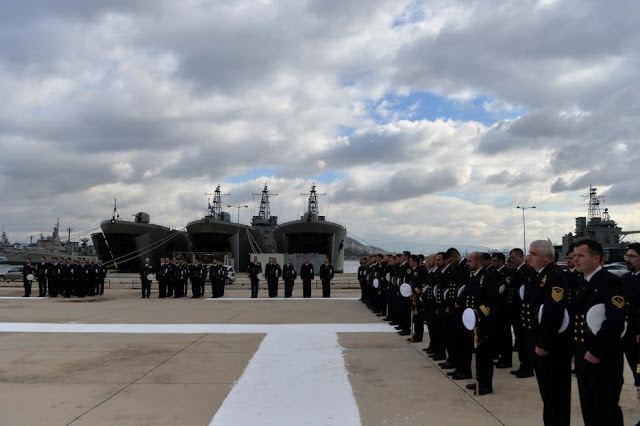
(408,270)
(508,280)
(415,274)
(618,301)
(485,310)
(557,293)
(543,281)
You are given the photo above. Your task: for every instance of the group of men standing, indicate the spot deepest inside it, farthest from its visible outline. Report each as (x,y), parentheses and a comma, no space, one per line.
(273,272)
(173,278)
(527,297)
(64,277)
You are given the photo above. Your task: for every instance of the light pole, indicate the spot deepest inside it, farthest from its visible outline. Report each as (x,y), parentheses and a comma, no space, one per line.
(524,228)
(237,262)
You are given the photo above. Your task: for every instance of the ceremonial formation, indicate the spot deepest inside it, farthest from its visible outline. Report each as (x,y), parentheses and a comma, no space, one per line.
(64,277)
(495,306)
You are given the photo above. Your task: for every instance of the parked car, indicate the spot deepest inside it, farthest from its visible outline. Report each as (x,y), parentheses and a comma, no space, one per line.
(617,268)
(231,274)
(12,274)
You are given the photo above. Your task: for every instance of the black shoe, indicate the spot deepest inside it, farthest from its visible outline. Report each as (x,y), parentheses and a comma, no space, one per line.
(451,373)
(398,327)
(404,333)
(143,297)
(414,340)
(386,319)
(503,365)
(393,323)
(484,391)
(439,358)
(471,386)
(428,351)
(523,374)
(461,376)
(446,365)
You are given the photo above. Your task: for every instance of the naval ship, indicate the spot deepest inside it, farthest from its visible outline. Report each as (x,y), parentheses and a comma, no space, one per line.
(124,244)
(313,234)
(263,226)
(215,233)
(598,226)
(49,246)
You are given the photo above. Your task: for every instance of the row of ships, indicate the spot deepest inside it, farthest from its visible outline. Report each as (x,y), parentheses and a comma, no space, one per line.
(125,243)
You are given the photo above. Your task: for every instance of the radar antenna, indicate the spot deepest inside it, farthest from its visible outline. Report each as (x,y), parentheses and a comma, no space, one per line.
(265,206)
(214,207)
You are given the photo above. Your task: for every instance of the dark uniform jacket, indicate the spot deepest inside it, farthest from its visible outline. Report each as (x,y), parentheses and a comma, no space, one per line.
(272,270)
(43,270)
(254,269)
(603,287)
(326,272)
(218,273)
(28,269)
(548,288)
(481,295)
(289,273)
(146,270)
(306,271)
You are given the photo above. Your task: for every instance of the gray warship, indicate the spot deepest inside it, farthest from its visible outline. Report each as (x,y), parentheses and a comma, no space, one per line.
(263,226)
(216,234)
(313,234)
(598,226)
(48,246)
(124,244)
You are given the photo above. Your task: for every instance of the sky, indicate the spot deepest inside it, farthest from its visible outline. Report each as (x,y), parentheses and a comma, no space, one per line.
(423,122)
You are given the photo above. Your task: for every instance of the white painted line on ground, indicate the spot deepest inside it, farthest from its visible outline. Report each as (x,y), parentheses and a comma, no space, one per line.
(295,378)
(25,327)
(248,299)
(21,298)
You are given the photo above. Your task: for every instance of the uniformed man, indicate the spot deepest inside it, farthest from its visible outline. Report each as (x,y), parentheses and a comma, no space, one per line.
(67,277)
(631,286)
(101,276)
(502,342)
(146,270)
(480,294)
(197,274)
(55,282)
(42,275)
(254,269)
(179,274)
(307,274)
(598,357)
(429,298)
(92,277)
(326,275)
(162,277)
(548,348)
(288,275)
(387,274)
(520,277)
(27,269)
(415,279)
(171,275)
(403,304)
(273,272)
(362,274)
(82,278)
(218,278)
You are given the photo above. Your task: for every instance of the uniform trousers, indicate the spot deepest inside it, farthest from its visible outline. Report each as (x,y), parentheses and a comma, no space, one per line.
(254,286)
(272,283)
(306,287)
(288,288)
(42,287)
(553,373)
(326,287)
(599,386)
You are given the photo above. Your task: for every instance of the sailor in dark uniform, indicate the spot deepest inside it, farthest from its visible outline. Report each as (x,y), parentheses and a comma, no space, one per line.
(480,294)
(255,268)
(42,274)
(415,279)
(631,286)
(67,283)
(307,274)
(179,273)
(362,273)
(502,341)
(403,304)
(147,269)
(197,274)
(92,277)
(27,269)
(520,277)
(162,276)
(431,309)
(82,278)
(288,275)
(548,348)
(55,282)
(218,276)
(326,275)
(101,276)
(598,357)
(272,272)
(170,265)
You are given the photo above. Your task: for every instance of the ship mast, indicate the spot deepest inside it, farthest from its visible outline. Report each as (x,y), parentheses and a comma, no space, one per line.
(313,200)
(215,209)
(265,209)
(116,215)
(594,203)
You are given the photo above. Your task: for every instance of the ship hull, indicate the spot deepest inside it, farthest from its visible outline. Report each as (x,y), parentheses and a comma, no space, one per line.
(324,237)
(214,236)
(127,244)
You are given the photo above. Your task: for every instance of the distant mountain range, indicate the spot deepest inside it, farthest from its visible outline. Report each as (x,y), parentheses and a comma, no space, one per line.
(355,250)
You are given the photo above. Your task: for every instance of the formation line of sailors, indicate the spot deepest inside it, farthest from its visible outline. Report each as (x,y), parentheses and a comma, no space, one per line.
(64,277)
(582,320)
